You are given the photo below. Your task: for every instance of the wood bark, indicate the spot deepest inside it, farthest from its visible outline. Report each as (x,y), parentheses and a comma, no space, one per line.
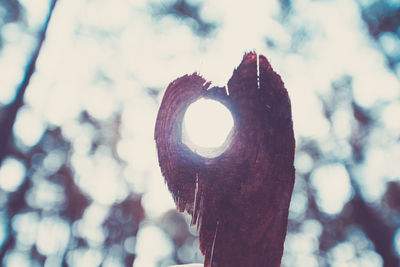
(240,199)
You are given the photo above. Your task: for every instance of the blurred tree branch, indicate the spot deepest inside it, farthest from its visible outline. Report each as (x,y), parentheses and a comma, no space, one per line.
(10,111)
(358,212)
(190,12)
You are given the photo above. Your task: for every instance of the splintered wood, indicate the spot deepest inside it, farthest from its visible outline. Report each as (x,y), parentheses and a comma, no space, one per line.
(240,199)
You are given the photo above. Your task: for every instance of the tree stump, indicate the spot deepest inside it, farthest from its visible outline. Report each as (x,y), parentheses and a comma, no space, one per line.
(239,200)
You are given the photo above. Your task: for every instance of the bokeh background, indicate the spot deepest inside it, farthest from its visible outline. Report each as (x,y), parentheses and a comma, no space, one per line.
(80,85)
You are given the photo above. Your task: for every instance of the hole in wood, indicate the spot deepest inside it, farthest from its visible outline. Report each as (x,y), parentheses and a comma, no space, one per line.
(207,127)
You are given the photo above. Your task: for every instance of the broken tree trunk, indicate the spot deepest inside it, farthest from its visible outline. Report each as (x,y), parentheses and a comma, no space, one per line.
(240,199)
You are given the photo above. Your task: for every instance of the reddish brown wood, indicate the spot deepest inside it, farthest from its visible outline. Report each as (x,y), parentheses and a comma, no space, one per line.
(240,199)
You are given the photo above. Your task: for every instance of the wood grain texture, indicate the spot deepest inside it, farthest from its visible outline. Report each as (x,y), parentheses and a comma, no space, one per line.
(240,199)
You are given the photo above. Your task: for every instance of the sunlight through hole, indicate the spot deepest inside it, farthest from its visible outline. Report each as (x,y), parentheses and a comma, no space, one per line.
(206,126)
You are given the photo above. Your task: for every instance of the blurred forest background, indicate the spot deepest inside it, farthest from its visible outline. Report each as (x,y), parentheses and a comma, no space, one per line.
(80,85)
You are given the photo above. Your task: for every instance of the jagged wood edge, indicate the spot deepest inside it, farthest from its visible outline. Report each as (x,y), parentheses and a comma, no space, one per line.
(191,177)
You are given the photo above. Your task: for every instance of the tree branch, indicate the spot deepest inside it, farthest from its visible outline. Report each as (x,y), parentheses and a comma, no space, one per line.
(10,111)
